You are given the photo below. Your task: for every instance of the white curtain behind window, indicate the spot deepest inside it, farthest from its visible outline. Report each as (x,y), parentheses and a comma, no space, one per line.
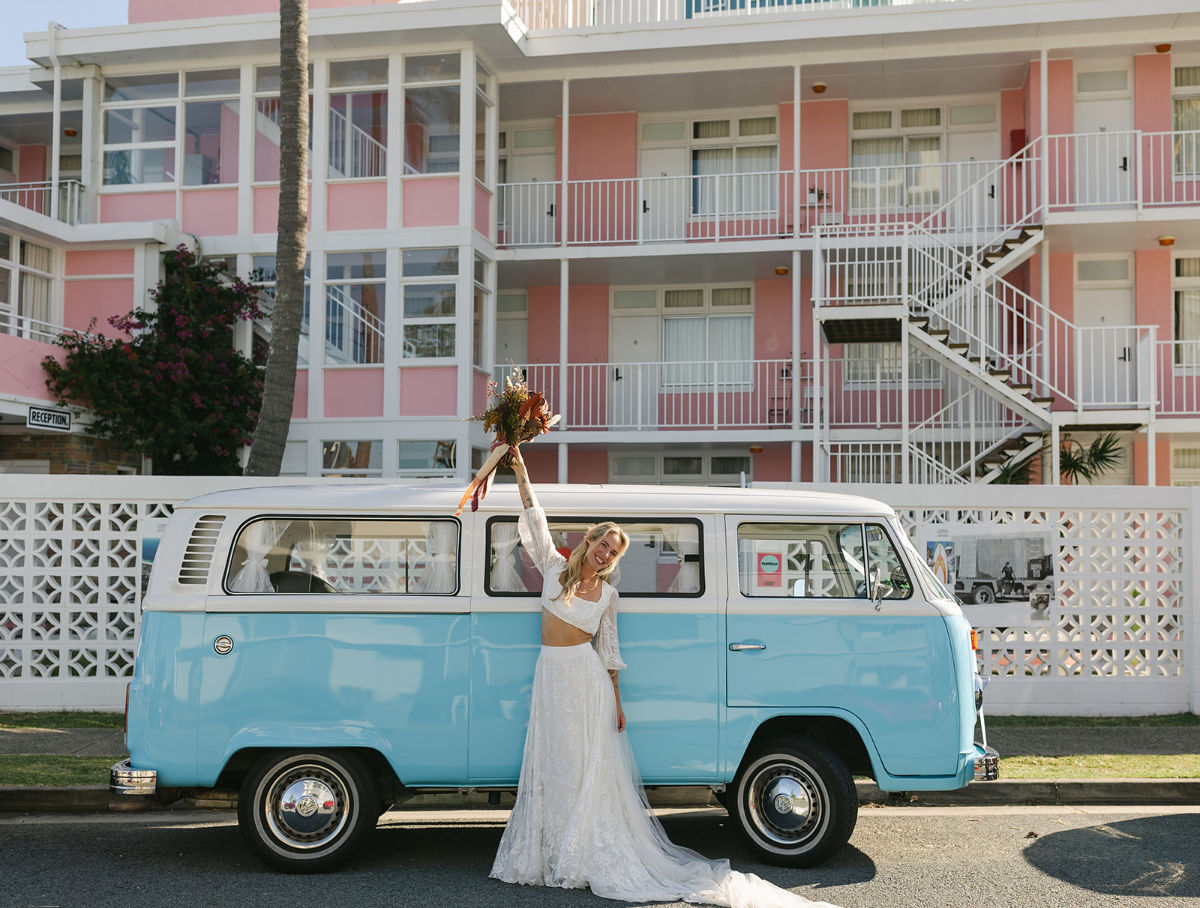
(712,191)
(758,187)
(505,577)
(313,550)
(731,345)
(441,545)
(682,540)
(257,540)
(685,341)
(1187,305)
(876,175)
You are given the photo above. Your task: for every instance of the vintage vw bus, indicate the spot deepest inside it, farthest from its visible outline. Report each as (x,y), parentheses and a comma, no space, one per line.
(327,651)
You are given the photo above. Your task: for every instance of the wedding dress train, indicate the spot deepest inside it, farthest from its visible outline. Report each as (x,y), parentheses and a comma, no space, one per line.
(581,818)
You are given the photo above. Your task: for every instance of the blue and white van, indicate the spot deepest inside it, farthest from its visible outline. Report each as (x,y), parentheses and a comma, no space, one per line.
(327,651)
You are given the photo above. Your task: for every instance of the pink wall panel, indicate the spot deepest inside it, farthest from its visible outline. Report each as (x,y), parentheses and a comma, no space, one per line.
(171,10)
(1012,116)
(21,371)
(361,205)
(353,392)
(824,128)
(31,164)
(430,202)
(773,318)
(86,300)
(603,146)
(1154,303)
(773,464)
(300,397)
(587,466)
(428,391)
(541,459)
(99,261)
(1141,462)
(1152,92)
(1061,94)
(210,212)
(588,324)
(137,206)
(543,325)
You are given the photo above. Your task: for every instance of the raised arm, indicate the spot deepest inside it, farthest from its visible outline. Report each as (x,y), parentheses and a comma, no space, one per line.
(528,499)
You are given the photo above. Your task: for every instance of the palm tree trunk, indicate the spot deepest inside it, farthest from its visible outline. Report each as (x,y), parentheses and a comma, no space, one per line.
(279,384)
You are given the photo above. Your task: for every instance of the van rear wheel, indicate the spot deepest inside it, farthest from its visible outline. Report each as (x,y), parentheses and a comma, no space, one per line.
(794,802)
(305,812)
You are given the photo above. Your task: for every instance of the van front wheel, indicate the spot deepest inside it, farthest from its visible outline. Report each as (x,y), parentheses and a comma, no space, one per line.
(794,802)
(305,812)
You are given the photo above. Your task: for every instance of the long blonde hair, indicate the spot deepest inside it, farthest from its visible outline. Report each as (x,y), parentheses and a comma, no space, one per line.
(572,574)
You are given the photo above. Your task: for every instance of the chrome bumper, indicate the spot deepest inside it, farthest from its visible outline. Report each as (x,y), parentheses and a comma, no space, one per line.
(123,779)
(987,763)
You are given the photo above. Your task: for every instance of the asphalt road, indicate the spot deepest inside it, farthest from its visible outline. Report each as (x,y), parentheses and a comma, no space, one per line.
(898,857)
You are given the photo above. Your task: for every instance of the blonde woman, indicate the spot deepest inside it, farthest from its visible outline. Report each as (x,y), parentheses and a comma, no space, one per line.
(581,818)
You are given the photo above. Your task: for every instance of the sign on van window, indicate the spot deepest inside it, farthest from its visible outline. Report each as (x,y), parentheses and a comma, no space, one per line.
(819,561)
(664,558)
(346,556)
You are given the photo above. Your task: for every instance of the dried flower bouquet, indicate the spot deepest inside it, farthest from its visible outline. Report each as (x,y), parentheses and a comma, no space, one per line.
(516,415)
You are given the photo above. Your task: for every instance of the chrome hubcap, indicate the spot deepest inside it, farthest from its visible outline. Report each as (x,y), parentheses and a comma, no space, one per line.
(785,804)
(306,806)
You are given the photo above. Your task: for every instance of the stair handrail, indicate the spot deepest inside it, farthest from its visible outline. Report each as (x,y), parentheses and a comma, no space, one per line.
(934,466)
(986,347)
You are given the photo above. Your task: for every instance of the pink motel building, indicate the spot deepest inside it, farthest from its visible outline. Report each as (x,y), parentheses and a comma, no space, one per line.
(795,240)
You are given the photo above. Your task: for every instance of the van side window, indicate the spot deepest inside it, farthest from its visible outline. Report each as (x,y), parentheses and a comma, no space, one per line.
(390,557)
(664,558)
(885,564)
(804,560)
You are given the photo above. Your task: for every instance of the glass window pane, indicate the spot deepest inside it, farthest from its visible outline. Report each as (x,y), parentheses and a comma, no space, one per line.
(1187,76)
(663,132)
(354,323)
(355,265)
(969,114)
(35,256)
(427,456)
(921,117)
(139,124)
(1104,269)
(150,165)
(534,138)
(872,119)
(389,557)
(512,301)
(428,300)
(351,458)
(884,566)
(729,466)
(756,126)
(683,466)
(432,68)
(266,139)
(358,135)
(710,129)
(266,78)
(692,298)
(426,262)
(635,299)
(210,142)
(358,72)
(428,340)
(431,130)
(634,465)
(211,82)
(139,88)
(1110,80)
(1187,267)
(801,560)
(731,296)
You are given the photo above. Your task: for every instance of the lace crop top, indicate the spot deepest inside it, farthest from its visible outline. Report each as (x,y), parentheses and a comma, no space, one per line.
(597,618)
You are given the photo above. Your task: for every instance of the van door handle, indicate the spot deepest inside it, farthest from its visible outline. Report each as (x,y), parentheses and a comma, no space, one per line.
(738,647)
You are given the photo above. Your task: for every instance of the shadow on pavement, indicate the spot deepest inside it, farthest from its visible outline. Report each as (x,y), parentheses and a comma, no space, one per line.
(1155,856)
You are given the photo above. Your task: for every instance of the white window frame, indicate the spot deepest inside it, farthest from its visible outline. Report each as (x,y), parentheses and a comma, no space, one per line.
(215,97)
(427,152)
(349,90)
(174,143)
(431,471)
(259,97)
(371,471)
(375,281)
(303,352)
(1188,92)
(13,320)
(445,319)
(1184,362)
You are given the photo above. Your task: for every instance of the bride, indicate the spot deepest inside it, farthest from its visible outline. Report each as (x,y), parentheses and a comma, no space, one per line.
(581,818)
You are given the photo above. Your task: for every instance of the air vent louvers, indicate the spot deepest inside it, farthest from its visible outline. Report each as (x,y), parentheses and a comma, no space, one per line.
(198,556)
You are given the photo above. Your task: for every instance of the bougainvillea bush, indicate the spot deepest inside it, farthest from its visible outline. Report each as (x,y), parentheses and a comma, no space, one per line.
(169,384)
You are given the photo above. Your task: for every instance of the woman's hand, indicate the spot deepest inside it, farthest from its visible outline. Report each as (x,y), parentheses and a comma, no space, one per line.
(620,719)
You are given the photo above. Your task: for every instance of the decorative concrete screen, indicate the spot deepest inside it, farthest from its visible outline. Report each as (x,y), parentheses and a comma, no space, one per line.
(1083,596)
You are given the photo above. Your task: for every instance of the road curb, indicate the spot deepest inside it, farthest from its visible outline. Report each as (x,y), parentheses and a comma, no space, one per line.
(1004,792)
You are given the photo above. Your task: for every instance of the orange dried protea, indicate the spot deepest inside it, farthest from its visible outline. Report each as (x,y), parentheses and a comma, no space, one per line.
(516,415)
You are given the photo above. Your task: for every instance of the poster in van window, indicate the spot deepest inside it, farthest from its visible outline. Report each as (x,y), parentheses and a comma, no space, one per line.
(770,570)
(150,531)
(1001,574)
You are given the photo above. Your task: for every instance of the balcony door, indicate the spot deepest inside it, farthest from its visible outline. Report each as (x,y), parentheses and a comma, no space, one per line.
(1105,146)
(975,153)
(634,372)
(665,194)
(532,206)
(1110,345)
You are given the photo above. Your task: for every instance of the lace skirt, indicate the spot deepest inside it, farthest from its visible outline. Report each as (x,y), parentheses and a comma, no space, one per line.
(581,817)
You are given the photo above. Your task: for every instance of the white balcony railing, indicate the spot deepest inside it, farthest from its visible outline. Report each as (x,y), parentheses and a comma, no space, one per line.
(1127,169)
(31,328)
(544,15)
(676,395)
(38,197)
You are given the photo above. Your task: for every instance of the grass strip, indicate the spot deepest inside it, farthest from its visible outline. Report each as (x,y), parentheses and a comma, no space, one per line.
(54,770)
(1102,766)
(61,720)
(1168,721)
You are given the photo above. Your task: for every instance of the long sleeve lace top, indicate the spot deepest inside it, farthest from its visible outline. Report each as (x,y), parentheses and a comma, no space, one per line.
(597,618)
